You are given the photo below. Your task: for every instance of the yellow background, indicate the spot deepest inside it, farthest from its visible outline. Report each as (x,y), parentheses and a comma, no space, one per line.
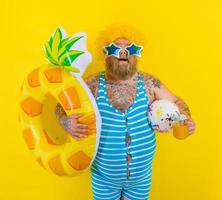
(184,51)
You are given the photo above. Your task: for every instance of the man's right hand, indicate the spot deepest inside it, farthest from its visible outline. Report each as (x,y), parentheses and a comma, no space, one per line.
(72,126)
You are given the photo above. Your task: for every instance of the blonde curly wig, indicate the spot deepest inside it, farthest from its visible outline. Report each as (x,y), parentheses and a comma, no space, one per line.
(115,31)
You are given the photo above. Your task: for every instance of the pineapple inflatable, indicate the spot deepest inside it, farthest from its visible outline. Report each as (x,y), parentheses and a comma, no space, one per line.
(60,82)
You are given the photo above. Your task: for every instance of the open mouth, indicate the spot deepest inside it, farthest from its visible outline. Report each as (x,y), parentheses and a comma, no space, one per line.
(123,59)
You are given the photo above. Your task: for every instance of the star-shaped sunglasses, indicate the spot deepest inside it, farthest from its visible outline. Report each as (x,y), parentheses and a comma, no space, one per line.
(114,50)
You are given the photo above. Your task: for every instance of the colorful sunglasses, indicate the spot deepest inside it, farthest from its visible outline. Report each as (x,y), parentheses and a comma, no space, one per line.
(114,50)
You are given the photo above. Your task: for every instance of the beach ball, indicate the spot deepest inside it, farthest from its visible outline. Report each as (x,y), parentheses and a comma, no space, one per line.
(162,114)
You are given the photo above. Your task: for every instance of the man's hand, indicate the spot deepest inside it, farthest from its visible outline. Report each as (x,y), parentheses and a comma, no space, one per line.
(162,92)
(72,126)
(191,125)
(185,110)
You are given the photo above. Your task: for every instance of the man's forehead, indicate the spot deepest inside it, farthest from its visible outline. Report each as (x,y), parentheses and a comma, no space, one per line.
(122,41)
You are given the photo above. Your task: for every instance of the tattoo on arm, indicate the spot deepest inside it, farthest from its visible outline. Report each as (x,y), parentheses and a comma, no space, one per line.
(156,82)
(184,109)
(151,83)
(61,116)
(151,80)
(66,123)
(59,112)
(93,83)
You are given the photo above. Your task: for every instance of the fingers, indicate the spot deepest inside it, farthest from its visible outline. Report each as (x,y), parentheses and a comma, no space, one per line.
(78,136)
(73,127)
(78,131)
(80,126)
(191,129)
(75,117)
(191,125)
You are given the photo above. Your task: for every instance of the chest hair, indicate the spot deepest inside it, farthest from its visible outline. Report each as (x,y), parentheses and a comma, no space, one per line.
(122,95)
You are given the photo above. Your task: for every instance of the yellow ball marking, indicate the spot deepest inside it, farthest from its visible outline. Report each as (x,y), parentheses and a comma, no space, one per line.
(159,112)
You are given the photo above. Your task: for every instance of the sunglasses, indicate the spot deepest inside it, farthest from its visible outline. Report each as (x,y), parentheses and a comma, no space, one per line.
(114,50)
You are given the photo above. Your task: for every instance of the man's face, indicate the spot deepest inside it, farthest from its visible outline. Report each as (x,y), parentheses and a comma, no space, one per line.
(123,67)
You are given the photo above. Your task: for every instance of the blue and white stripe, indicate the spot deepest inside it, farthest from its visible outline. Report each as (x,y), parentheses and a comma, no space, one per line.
(109,169)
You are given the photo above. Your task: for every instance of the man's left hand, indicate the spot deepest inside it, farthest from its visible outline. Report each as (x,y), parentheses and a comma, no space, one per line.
(191,125)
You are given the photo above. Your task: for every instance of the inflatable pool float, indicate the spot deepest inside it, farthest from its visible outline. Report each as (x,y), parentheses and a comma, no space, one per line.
(45,87)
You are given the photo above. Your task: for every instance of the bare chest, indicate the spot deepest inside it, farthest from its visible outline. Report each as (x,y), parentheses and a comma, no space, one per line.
(122,96)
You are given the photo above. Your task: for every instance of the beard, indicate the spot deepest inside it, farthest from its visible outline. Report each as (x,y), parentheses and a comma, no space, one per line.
(120,71)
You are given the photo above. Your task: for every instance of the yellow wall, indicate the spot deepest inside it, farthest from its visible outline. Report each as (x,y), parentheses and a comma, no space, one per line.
(184,50)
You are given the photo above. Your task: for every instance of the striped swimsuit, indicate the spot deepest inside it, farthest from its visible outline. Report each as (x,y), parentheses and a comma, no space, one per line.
(123,163)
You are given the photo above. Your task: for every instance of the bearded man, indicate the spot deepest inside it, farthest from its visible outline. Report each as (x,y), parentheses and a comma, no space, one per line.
(122,169)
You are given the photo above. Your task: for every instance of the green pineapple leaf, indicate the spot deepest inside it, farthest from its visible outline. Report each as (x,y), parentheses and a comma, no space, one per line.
(62,43)
(59,53)
(66,45)
(50,42)
(67,58)
(55,43)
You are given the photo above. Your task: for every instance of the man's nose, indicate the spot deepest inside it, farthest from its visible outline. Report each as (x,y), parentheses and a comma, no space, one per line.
(123,52)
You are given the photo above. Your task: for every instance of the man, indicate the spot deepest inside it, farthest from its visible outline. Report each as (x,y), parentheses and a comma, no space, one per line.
(122,168)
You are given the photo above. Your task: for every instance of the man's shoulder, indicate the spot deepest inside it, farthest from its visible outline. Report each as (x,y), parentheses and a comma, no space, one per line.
(93,82)
(150,80)
(92,78)
(147,76)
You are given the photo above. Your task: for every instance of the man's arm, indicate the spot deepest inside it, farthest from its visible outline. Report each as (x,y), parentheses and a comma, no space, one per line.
(59,112)
(157,90)
(61,116)
(93,83)
(160,91)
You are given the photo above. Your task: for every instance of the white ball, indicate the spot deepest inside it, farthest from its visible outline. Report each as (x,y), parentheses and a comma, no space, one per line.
(163,114)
